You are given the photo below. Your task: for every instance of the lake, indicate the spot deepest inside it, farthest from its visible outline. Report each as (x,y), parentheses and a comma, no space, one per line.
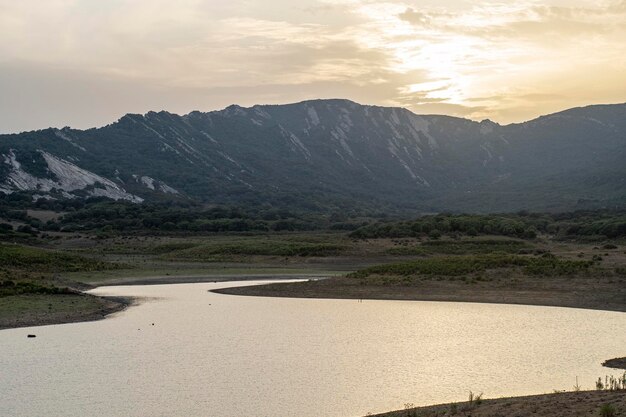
(218,355)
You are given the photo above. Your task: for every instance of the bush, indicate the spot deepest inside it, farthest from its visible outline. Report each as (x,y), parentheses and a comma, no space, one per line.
(606,224)
(462,247)
(608,410)
(8,288)
(463,265)
(263,248)
(26,229)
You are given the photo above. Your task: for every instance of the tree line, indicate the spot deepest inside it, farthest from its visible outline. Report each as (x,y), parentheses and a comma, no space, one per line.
(608,224)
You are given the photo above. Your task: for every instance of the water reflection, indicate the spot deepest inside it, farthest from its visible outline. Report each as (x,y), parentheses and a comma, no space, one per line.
(218,355)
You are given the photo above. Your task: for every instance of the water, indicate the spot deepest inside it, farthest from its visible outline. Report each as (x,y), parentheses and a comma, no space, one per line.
(223,356)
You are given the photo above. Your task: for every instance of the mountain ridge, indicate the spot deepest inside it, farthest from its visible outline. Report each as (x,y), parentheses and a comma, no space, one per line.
(321,153)
(311,101)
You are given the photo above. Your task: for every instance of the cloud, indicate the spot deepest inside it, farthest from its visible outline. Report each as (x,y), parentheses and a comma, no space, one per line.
(503,60)
(617,6)
(414,17)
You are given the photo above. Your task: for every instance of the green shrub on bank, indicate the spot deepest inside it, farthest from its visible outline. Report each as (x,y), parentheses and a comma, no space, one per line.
(463,265)
(463,247)
(608,410)
(35,259)
(9,287)
(171,247)
(271,248)
(582,224)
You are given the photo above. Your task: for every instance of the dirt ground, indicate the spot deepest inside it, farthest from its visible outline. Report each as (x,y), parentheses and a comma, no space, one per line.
(43,309)
(568,404)
(578,292)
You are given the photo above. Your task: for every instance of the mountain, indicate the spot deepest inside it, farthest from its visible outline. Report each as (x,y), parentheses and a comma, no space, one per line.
(331,153)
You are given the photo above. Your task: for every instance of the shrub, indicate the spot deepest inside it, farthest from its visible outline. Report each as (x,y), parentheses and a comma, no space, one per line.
(475,399)
(434,234)
(15,288)
(463,265)
(462,247)
(263,248)
(607,410)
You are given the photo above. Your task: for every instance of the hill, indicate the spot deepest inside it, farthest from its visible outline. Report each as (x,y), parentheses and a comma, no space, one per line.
(323,154)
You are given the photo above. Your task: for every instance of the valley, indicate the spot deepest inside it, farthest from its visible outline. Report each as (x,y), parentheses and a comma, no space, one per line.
(314,208)
(575,265)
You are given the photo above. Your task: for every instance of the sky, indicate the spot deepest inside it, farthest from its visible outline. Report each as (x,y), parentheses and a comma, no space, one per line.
(85,63)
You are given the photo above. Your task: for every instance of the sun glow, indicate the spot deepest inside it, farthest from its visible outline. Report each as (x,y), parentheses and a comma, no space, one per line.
(446,64)
(502,60)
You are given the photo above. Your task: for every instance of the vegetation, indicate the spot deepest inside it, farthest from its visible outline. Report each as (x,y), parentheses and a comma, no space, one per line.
(39,309)
(463,265)
(255,247)
(99,214)
(612,383)
(604,224)
(557,404)
(102,215)
(461,247)
(608,410)
(10,287)
(36,259)
(506,255)
(475,399)
(28,270)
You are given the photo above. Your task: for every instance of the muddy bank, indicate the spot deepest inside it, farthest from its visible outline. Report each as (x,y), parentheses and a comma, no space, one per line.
(617,363)
(596,294)
(191,279)
(567,404)
(38,310)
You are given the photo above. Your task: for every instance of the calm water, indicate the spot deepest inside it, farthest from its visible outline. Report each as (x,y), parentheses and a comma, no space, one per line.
(218,355)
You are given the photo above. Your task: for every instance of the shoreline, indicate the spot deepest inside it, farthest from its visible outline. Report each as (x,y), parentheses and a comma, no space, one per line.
(193,279)
(616,363)
(339,288)
(558,404)
(109,305)
(329,286)
(104,307)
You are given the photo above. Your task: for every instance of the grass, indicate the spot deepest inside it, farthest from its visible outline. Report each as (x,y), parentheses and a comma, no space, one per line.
(475,399)
(9,287)
(171,247)
(464,265)
(608,410)
(29,258)
(32,292)
(100,277)
(31,270)
(144,248)
(15,306)
(223,247)
(612,383)
(462,247)
(217,251)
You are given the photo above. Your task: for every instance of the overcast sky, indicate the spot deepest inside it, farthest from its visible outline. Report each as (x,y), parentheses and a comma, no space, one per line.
(85,63)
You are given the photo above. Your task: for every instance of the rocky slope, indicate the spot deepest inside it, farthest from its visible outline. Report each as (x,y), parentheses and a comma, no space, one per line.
(331,153)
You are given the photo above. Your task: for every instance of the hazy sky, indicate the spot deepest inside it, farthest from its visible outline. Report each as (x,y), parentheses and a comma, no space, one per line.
(85,63)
